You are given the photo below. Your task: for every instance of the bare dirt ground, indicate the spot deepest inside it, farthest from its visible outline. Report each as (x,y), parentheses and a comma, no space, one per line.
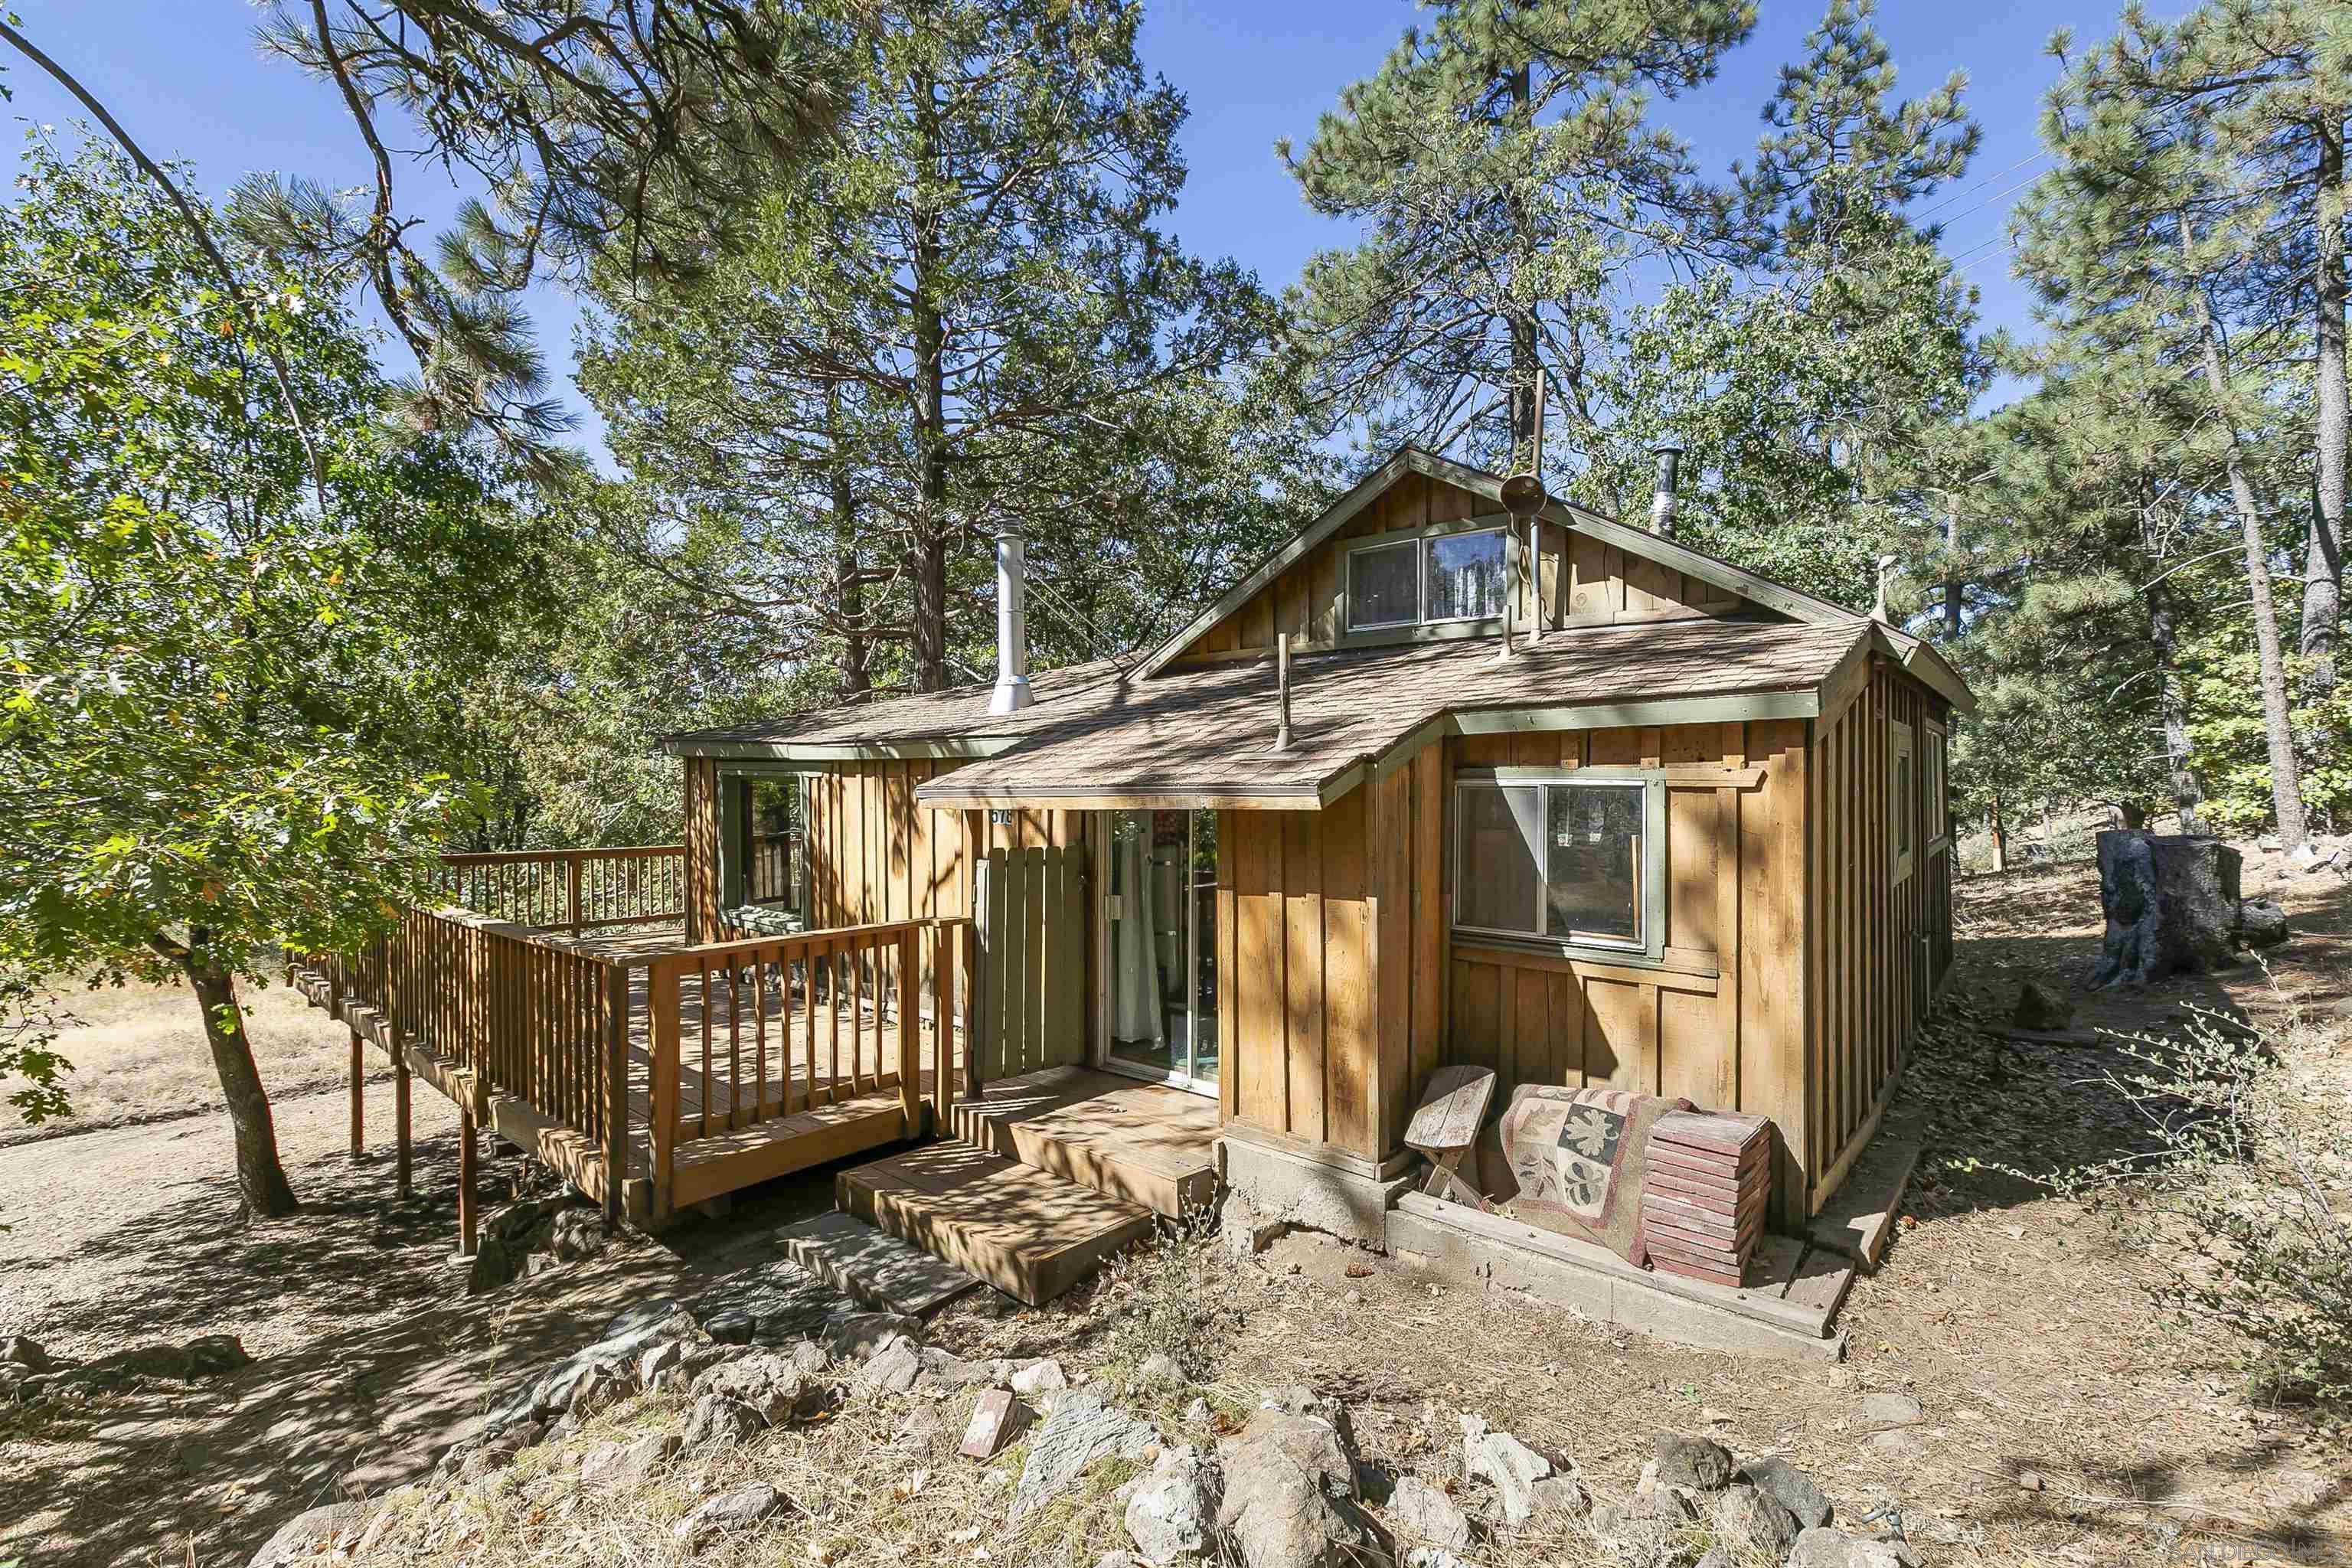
(139,1055)
(2025,1335)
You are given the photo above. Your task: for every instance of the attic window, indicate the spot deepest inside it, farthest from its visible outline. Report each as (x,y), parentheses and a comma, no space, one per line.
(1457,575)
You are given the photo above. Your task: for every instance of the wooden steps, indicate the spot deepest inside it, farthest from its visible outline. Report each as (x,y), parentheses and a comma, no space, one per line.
(1026,1231)
(1144,1143)
(724,1161)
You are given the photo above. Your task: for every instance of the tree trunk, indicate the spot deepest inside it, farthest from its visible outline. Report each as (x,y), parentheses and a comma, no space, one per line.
(849,592)
(260,1178)
(1952,584)
(2171,904)
(2323,562)
(2286,785)
(928,551)
(2000,830)
(2172,706)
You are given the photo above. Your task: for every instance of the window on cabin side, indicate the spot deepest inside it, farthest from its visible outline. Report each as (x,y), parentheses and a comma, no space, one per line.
(1384,586)
(1559,860)
(1905,801)
(1466,576)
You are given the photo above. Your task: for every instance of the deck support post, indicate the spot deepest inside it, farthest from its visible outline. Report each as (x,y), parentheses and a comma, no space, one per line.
(617,1090)
(910,1033)
(359,1096)
(468,1209)
(400,1124)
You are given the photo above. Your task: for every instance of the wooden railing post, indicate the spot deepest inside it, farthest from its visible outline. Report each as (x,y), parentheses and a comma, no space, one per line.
(661,1002)
(911,1034)
(617,1090)
(572,916)
(967,959)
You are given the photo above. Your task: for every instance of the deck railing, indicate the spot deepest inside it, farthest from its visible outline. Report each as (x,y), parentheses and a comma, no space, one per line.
(575,889)
(500,1012)
(723,1007)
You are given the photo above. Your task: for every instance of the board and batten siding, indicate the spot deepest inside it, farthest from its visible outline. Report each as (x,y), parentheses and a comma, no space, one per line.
(1604,585)
(1720,1022)
(1875,959)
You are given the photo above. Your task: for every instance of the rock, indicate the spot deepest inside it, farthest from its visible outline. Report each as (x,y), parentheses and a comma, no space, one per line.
(1558,1496)
(207,1355)
(24,1352)
(664,1357)
(861,1336)
(1171,1508)
(577,1234)
(1510,1464)
(622,1339)
(514,1223)
(1634,1538)
(810,1359)
(1160,1372)
(777,1304)
(1694,1462)
(1118,1560)
(2260,923)
(1791,1488)
(1748,1519)
(2030,1480)
(996,1421)
(1716,1557)
(720,1422)
(312,1531)
(1197,1414)
(1424,1514)
(495,1263)
(1669,1506)
(1885,1412)
(2041,1009)
(893,1371)
(497,1451)
(1821,1547)
(768,1382)
(1291,1498)
(1432,1557)
(1040,1377)
(727,1512)
(918,1427)
(627,1464)
(601,1386)
(943,1369)
(1081,1430)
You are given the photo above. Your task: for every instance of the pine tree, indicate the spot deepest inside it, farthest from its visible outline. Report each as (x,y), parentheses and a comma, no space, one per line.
(2138,242)
(1511,187)
(964,316)
(1816,385)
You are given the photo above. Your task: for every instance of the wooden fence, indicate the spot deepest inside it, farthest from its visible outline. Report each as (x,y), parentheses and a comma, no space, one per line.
(576,890)
(1031,942)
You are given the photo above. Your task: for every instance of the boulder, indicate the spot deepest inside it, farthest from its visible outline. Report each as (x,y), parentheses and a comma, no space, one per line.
(1746,1517)
(2041,1009)
(627,1464)
(577,1234)
(1558,1496)
(1511,1465)
(1160,1373)
(720,1422)
(778,1303)
(861,1336)
(1039,1377)
(727,1512)
(1081,1430)
(1291,1500)
(1171,1508)
(312,1531)
(1425,1515)
(622,1339)
(1791,1488)
(1692,1462)
(894,1370)
(766,1382)
(666,1357)
(496,1262)
(24,1352)
(1821,1547)
(2262,924)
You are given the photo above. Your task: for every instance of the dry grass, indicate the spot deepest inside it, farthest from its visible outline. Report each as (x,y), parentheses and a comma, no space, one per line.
(139,1055)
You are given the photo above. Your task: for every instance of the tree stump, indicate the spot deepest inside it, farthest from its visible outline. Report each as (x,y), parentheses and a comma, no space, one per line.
(2171,901)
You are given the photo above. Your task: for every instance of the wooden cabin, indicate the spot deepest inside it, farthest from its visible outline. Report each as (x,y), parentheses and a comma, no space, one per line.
(1684,830)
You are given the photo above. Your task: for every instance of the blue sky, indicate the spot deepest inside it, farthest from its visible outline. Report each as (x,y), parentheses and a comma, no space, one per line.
(185,78)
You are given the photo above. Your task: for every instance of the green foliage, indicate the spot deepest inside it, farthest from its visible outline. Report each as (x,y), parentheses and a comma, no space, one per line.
(222,708)
(29,1020)
(2226,724)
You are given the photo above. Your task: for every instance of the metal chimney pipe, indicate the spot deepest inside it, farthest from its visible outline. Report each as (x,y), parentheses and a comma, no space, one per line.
(1281,691)
(1012,692)
(1664,495)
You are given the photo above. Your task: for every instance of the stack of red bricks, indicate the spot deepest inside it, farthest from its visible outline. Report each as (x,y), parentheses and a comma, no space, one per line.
(1703,1193)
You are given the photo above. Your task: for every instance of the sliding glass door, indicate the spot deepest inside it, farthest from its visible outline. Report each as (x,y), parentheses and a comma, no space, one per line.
(1159,917)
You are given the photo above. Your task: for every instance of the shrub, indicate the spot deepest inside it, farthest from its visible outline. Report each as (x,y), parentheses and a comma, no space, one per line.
(2241,1201)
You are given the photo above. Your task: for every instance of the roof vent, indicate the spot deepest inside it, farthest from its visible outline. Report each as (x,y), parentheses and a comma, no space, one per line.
(1012,692)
